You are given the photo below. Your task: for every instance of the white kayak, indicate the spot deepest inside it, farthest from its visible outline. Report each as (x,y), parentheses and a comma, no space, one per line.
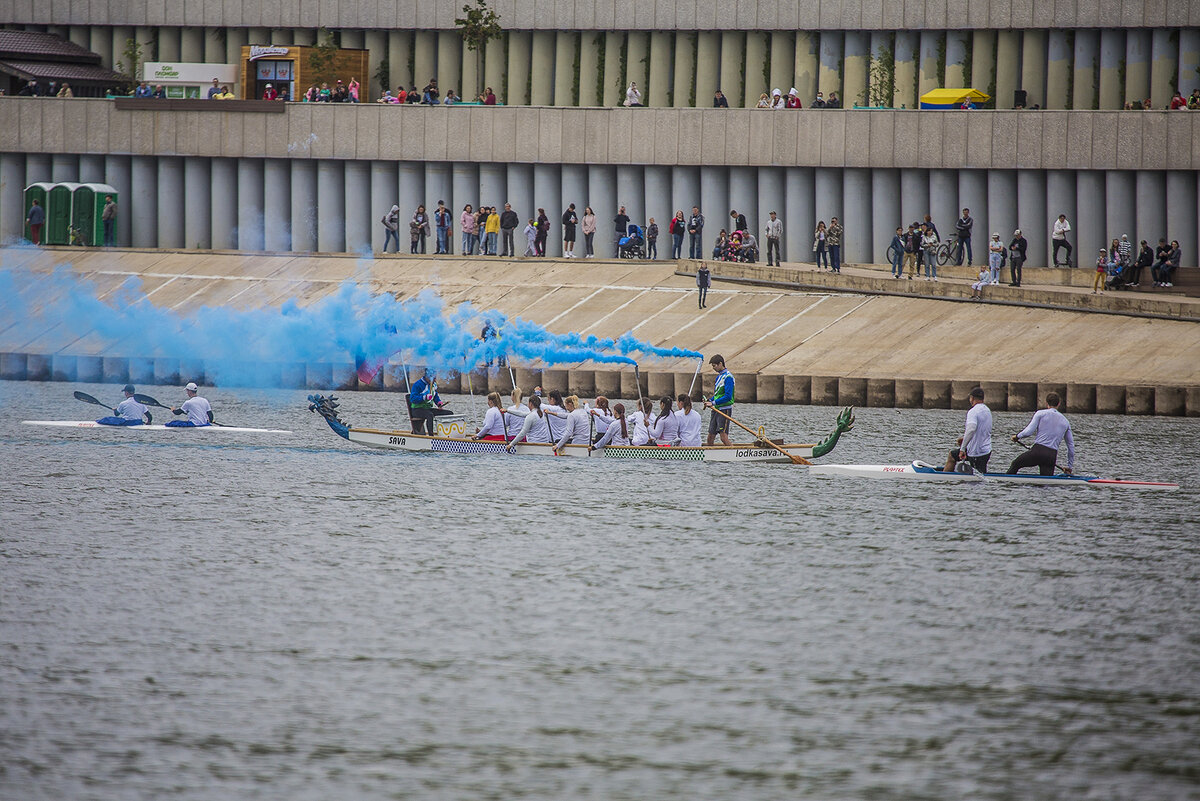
(920,471)
(153,427)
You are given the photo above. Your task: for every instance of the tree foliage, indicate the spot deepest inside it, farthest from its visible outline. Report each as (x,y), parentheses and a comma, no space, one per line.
(478,25)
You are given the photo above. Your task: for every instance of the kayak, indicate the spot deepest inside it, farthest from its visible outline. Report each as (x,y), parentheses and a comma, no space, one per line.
(153,427)
(921,471)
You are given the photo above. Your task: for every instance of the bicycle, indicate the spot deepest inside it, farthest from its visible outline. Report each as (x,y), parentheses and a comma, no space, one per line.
(947,250)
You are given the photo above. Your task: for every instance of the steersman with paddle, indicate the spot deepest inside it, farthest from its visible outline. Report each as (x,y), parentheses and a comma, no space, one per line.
(199,412)
(721,402)
(1050,427)
(129,412)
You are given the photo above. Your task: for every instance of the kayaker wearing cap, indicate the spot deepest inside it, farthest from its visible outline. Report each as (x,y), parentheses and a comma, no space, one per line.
(1050,428)
(128,412)
(199,412)
(975,445)
(425,403)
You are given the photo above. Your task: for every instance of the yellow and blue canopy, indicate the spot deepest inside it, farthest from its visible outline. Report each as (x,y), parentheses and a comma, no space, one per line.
(951,98)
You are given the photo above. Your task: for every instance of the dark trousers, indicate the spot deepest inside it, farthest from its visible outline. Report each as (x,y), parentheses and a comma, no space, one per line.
(506,242)
(694,246)
(1038,456)
(964,242)
(773,244)
(1015,269)
(1061,243)
(652,248)
(835,258)
(424,418)
(703,296)
(110,236)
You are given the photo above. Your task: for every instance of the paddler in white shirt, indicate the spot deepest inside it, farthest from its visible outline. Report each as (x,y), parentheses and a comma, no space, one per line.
(691,424)
(128,412)
(552,404)
(666,426)
(618,432)
(1050,428)
(602,416)
(642,420)
(199,412)
(536,427)
(578,429)
(493,428)
(515,415)
(975,445)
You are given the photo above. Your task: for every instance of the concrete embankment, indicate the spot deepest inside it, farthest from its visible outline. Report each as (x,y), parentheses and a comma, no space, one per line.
(786,345)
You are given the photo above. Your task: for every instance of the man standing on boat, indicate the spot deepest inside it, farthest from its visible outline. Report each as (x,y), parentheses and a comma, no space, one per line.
(199,412)
(975,445)
(425,403)
(1050,428)
(722,401)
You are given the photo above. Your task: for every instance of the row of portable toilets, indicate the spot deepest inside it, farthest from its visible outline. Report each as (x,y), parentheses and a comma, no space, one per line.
(73,212)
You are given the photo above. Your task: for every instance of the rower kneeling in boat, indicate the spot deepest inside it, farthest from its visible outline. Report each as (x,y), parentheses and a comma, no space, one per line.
(128,412)
(577,430)
(1050,428)
(618,432)
(975,445)
(493,429)
(424,403)
(199,412)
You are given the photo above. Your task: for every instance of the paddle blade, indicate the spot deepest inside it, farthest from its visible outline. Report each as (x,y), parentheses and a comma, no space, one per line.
(86,398)
(148,401)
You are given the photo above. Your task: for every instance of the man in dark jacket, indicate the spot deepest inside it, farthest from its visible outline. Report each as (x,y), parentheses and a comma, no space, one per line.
(739,220)
(695,229)
(719,100)
(621,223)
(1017,249)
(508,223)
(963,227)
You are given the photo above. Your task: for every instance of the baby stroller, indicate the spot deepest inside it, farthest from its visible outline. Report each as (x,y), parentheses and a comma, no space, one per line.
(633,244)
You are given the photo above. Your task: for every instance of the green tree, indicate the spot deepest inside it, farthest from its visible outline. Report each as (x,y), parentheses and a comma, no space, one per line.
(130,64)
(320,60)
(478,26)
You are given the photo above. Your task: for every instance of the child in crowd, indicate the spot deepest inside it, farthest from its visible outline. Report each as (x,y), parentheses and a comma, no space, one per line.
(985,279)
(1101,271)
(531,233)
(652,239)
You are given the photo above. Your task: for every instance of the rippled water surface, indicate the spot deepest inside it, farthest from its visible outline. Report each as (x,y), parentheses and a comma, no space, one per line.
(195,616)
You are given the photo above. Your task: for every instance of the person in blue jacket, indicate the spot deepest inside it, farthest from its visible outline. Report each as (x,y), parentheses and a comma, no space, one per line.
(722,401)
(425,403)
(897,251)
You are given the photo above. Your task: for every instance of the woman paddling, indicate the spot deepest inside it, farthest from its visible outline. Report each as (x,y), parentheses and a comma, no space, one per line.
(690,423)
(514,416)
(577,430)
(666,425)
(618,432)
(536,427)
(643,421)
(493,421)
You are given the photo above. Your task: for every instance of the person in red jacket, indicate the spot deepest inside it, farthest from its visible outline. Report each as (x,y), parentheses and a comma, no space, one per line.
(793,100)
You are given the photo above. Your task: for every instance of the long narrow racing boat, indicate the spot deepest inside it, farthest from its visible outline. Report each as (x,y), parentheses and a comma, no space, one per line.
(446,443)
(921,471)
(153,427)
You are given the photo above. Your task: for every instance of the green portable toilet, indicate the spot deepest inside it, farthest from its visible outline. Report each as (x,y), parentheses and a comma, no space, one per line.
(58,214)
(38,192)
(87,209)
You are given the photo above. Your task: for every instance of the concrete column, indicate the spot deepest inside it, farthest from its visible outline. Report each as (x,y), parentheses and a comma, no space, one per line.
(1033,66)
(574,189)
(117,175)
(756,59)
(520,57)
(425,58)
(885,186)
(657,204)
(904,93)
(91,169)
(142,204)
(121,34)
(1002,206)
(829,76)
(439,185)
(1060,199)
(495,67)
(1151,189)
(262,36)
(100,40)
(636,60)
(168,44)
(1058,69)
(547,191)
(277,205)
(376,43)
(685,71)
(565,45)
(801,219)
(449,61)
(1008,70)
(856,190)
(12,189)
(1090,227)
(400,47)
(1112,53)
(521,193)
(685,189)
(214,47)
(304,205)
(1137,67)
(304,37)
(1120,213)
(250,204)
(1189,62)
(493,185)
(191,45)
(223,201)
(983,60)
(857,76)
(235,40)
(1164,66)
(956,58)
(659,86)
(783,61)
(733,55)
(772,197)
(914,197)
(591,60)
(714,205)
(927,77)
(943,201)
(743,196)
(828,194)
(197,204)
(383,196)
(64,167)
(808,66)
(38,169)
(972,194)
(411,191)
(1032,216)
(79,35)
(283,36)
(614,76)
(1085,66)
(145,37)
(171,202)
(331,217)
(464,178)
(542,70)
(631,193)
(708,69)
(602,197)
(1181,214)
(358,214)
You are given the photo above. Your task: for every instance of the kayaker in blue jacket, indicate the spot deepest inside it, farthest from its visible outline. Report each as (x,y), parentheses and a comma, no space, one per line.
(722,401)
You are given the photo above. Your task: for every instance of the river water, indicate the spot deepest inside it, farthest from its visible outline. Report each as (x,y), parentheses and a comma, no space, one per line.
(202,616)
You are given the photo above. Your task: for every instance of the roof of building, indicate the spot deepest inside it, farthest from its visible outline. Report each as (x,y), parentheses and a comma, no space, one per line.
(38,46)
(55,71)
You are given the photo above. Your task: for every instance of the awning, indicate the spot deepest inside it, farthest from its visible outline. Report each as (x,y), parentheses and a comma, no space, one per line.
(79,74)
(951,98)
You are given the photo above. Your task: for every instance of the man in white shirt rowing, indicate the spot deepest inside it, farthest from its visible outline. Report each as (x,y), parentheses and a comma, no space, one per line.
(1050,428)
(199,412)
(128,412)
(975,445)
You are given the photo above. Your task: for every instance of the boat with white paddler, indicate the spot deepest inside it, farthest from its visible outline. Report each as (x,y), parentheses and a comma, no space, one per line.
(153,427)
(921,471)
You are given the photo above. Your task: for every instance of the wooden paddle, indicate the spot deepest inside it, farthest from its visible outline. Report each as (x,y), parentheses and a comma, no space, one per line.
(149,401)
(795,459)
(1056,464)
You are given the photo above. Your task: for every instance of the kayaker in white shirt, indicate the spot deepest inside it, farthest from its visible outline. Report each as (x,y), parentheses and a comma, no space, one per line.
(1050,428)
(619,431)
(691,423)
(666,426)
(578,429)
(199,412)
(128,412)
(975,445)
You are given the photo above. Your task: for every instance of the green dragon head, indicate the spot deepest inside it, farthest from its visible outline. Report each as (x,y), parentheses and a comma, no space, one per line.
(845,422)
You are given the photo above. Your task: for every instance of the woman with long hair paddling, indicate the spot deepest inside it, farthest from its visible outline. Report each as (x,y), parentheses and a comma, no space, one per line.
(618,432)
(666,425)
(642,420)
(690,423)
(514,416)
(536,427)
(578,428)
(493,429)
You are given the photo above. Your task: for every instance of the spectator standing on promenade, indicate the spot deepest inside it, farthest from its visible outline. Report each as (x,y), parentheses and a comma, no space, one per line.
(420,225)
(912,247)
(143,90)
(161,94)
(508,223)
(489,97)
(1017,250)
(719,100)
(963,227)
(677,228)
(929,244)
(1058,237)
(620,223)
(543,231)
(833,101)
(569,221)
(833,238)
(355,86)
(703,282)
(466,224)
(652,240)
(633,97)
(739,221)
(819,101)
(442,220)
(995,257)
(495,224)
(391,228)
(896,248)
(774,232)
(36,219)
(695,229)
(820,246)
(929,224)
(589,233)
(213,90)
(109,218)
(1101,271)
(481,218)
